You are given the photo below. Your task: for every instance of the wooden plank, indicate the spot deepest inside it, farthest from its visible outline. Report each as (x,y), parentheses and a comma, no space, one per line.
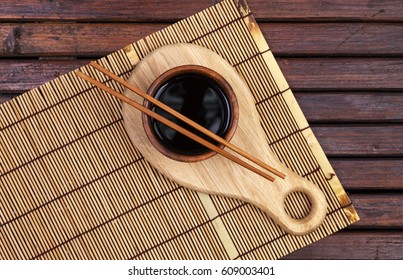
(369,174)
(141,10)
(101,10)
(359,140)
(364,39)
(302,74)
(354,245)
(346,73)
(336,10)
(357,106)
(62,39)
(381,210)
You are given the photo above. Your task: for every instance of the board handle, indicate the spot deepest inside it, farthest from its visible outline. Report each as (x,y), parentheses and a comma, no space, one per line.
(313,219)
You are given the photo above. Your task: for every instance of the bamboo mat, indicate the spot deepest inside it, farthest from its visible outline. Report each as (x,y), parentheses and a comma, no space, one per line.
(73,186)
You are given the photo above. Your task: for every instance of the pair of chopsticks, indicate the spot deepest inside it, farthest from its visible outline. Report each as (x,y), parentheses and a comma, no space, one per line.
(175,126)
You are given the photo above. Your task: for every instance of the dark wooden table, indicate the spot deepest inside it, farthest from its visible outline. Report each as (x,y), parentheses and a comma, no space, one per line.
(343,59)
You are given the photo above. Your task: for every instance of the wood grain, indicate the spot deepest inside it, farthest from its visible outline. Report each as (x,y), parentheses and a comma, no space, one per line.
(334,39)
(141,10)
(337,10)
(378,174)
(355,245)
(71,39)
(379,211)
(343,73)
(356,140)
(325,107)
(302,74)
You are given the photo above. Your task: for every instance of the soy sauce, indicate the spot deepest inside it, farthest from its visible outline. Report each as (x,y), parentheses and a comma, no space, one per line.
(199,98)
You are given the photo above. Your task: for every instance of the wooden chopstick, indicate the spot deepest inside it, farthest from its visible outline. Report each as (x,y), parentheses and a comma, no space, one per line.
(186,120)
(172,125)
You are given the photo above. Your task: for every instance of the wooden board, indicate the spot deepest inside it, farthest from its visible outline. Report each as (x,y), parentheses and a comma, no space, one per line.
(217,175)
(47,221)
(140,10)
(296,39)
(373,176)
(321,74)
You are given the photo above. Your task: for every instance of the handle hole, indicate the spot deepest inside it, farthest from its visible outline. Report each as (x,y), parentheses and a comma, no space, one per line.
(297,205)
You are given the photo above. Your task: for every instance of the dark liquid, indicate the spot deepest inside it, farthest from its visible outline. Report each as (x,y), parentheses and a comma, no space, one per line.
(199,98)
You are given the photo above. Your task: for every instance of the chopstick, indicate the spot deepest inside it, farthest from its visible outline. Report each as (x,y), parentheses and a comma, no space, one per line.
(186,120)
(172,125)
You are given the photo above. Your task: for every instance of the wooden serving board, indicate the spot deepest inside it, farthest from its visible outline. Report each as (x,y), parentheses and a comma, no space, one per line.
(217,175)
(73,186)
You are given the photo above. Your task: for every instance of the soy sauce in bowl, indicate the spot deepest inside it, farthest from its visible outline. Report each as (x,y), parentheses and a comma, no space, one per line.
(201,98)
